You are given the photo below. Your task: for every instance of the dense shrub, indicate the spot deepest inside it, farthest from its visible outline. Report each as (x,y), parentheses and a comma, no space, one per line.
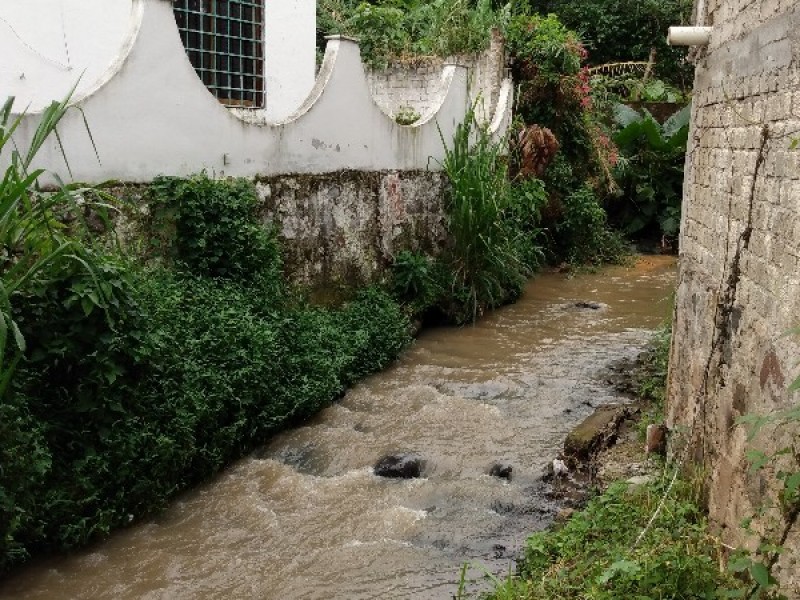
(416,280)
(582,235)
(376,333)
(554,94)
(522,219)
(627,30)
(544,48)
(138,382)
(26,462)
(553,89)
(650,174)
(216,229)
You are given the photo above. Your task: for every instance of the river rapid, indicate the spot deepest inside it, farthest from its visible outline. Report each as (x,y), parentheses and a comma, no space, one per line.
(305,518)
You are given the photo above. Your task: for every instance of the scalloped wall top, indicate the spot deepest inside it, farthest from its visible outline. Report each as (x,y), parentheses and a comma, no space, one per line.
(156,117)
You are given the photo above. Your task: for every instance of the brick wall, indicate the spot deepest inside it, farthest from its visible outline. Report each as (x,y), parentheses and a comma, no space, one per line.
(419,85)
(739,283)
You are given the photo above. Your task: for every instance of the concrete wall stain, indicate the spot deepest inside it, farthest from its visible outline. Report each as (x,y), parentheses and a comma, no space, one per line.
(771,371)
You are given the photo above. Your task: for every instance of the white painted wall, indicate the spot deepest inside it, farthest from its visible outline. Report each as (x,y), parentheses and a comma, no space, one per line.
(156,117)
(46,46)
(290,51)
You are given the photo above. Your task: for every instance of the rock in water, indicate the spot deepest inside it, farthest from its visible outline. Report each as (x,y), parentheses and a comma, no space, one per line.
(596,432)
(399,466)
(501,470)
(591,305)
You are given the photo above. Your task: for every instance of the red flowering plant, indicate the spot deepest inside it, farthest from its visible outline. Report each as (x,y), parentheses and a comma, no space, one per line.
(554,92)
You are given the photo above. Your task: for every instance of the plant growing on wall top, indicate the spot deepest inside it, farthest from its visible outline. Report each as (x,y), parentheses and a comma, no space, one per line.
(397,29)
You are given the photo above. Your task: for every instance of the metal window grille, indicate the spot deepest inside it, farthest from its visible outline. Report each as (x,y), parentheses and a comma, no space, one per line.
(224,40)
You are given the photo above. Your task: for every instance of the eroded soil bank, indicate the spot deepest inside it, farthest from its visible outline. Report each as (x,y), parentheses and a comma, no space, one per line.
(306,518)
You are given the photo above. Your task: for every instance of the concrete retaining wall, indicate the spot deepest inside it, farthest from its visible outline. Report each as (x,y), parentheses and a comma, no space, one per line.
(345,228)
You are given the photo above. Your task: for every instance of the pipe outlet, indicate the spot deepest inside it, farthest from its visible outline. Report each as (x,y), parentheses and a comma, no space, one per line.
(689,36)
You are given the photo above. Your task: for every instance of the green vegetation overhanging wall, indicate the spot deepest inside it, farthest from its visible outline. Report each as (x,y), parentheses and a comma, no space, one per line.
(405,29)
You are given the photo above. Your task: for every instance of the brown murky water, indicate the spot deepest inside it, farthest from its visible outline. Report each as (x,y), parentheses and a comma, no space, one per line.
(306,518)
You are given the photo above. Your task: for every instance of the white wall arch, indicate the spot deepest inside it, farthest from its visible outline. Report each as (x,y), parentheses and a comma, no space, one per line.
(156,117)
(49,46)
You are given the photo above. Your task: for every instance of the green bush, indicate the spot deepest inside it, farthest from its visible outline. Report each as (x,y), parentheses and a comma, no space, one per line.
(216,229)
(381,32)
(650,172)
(376,332)
(210,374)
(137,383)
(553,86)
(632,87)
(523,221)
(582,235)
(627,30)
(544,48)
(463,27)
(26,462)
(554,92)
(45,237)
(416,281)
(653,386)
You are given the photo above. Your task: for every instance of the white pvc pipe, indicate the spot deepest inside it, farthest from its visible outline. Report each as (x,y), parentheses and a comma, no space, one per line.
(689,36)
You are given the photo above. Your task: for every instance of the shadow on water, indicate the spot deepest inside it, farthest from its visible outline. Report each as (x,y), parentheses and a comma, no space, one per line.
(306,518)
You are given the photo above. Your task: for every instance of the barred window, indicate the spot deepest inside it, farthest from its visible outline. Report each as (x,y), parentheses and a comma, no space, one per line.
(224,40)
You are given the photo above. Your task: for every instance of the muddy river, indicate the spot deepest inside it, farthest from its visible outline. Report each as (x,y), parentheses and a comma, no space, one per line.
(305,518)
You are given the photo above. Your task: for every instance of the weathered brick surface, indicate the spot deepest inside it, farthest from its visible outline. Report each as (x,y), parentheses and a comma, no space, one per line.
(419,85)
(739,285)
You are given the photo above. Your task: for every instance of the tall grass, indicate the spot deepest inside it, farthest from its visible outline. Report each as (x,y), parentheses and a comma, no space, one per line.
(36,239)
(482,256)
